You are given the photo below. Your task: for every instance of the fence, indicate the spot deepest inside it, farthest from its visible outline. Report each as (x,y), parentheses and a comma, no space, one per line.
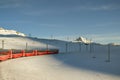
(10,54)
(106,52)
(95,50)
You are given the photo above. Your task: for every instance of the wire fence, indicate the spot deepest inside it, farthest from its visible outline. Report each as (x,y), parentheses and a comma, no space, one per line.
(106,52)
(95,50)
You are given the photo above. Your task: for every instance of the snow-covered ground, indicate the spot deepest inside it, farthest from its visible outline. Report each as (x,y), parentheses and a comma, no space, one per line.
(19,42)
(74,62)
(66,66)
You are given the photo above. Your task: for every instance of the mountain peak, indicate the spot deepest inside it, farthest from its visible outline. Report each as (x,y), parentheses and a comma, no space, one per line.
(10,32)
(84,40)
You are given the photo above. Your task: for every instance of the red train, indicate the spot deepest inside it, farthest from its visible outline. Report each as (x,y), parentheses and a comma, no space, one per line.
(10,54)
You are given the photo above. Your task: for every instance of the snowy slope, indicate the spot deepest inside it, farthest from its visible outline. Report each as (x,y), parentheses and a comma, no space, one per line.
(19,42)
(76,61)
(70,66)
(11,39)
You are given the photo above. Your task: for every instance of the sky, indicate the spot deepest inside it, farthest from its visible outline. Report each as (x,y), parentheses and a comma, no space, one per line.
(98,20)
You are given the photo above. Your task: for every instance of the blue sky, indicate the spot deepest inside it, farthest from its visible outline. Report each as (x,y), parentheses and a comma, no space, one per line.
(98,20)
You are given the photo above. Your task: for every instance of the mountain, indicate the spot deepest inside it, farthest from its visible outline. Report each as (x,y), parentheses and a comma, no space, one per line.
(10,32)
(84,40)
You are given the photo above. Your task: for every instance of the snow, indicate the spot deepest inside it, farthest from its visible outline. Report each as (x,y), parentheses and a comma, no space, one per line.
(76,61)
(10,32)
(84,40)
(19,42)
(69,66)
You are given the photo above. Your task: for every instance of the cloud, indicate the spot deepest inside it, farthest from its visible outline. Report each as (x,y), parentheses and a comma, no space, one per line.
(35,12)
(10,6)
(105,38)
(41,12)
(98,7)
(11,3)
(66,10)
(52,25)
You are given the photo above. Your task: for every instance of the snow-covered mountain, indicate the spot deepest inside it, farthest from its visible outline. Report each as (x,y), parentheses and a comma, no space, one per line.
(84,40)
(10,32)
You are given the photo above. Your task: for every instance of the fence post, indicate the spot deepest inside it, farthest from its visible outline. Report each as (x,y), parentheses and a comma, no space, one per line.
(108,56)
(66,47)
(26,45)
(91,47)
(10,54)
(93,50)
(47,47)
(86,46)
(80,46)
(23,53)
(2,44)
(35,51)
